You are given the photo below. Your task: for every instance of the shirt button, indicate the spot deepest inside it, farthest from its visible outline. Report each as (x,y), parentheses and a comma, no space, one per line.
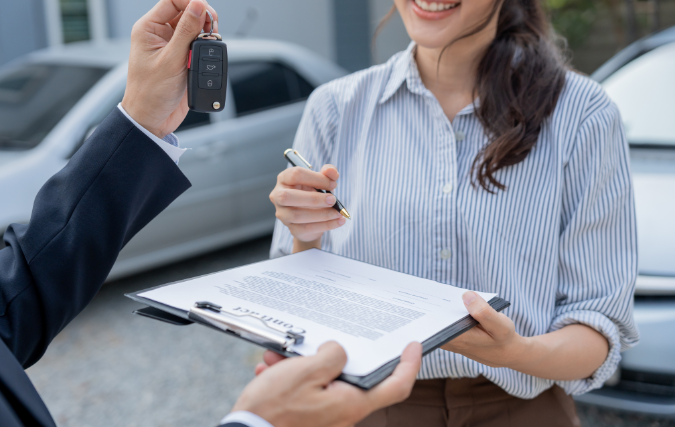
(447,188)
(459,135)
(445,253)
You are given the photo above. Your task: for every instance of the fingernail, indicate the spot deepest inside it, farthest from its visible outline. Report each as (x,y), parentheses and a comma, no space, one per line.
(196,7)
(468,297)
(342,221)
(330,200)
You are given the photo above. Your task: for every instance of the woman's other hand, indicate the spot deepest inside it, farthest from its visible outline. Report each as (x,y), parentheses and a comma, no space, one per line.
(306,212)
(494,341)
(570,353)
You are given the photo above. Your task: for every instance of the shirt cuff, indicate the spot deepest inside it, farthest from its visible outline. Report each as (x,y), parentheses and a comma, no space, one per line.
(609,330)
(243,417)
(169,144)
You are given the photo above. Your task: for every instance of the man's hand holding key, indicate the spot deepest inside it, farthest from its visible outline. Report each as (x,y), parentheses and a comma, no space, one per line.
(156,93)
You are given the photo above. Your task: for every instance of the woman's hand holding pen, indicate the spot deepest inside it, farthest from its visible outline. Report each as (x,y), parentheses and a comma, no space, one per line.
(570,353)
(306,212)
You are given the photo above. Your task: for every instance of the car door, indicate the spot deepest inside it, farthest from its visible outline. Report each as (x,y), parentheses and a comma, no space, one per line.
(269,100)
(232,161)
(196,220)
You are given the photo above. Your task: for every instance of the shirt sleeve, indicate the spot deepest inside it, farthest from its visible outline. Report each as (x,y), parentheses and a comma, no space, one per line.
(247,418)
(169,144)
(314,140)
(598,244)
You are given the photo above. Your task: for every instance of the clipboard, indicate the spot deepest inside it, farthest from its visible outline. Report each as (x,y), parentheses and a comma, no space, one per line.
(259,332)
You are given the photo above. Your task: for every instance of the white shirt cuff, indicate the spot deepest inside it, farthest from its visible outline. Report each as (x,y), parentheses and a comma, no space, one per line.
(247,418)
(173,151)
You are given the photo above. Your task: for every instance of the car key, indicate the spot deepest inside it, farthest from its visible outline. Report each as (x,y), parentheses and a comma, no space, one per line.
(207,72)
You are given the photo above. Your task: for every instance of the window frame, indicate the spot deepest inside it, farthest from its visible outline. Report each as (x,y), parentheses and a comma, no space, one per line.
(288,70)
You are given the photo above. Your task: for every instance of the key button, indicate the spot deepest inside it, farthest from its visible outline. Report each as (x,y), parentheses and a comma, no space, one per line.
(459,135)
(211,52)
(447,188)
(446,254)
(210,82)
(212,67)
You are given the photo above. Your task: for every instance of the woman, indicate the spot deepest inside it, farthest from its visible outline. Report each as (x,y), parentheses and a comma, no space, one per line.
(475,158)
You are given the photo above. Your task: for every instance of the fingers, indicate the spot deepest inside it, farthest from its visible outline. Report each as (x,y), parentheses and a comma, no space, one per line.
(314,229)
(293,215)
(165,11)
(330,171)
(493,323)
(272,358)
(299,176)
(327,363)
(188,28)
(398,386)
(302,199)
(260,368)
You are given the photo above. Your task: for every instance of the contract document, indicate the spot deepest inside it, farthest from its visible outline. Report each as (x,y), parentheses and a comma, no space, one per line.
(373,312)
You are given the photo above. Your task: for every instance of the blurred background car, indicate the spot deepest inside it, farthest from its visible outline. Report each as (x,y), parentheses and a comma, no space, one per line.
(641,81)
(53,99)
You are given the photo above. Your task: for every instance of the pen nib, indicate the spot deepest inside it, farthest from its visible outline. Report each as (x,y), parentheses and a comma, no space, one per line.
(345,214)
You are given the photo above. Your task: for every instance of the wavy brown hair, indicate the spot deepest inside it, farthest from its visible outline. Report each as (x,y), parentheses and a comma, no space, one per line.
(519,80)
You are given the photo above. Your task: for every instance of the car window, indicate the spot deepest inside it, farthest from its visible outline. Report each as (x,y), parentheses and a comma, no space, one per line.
(35,97)
(193,120)
(644,91)
(259,85)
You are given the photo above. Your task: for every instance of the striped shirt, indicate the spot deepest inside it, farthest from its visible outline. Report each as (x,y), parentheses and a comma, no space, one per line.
(559,243)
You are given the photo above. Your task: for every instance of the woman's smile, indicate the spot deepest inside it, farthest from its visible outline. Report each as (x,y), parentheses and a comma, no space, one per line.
(434,10)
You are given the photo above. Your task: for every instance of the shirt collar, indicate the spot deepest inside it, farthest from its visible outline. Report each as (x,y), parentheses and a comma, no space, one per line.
(404,69)
(401,69)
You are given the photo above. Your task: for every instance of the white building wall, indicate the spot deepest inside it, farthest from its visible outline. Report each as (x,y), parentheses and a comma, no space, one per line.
(306,22)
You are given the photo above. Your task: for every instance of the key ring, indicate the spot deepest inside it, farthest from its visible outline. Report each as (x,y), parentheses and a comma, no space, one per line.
(211,18)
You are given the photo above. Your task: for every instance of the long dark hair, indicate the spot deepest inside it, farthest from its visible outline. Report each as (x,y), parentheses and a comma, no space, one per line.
(518,84)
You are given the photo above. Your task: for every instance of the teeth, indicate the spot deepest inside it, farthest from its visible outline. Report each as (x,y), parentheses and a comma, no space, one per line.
(435,7)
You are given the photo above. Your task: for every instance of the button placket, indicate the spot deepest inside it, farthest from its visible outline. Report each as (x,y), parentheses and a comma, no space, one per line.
(445,179)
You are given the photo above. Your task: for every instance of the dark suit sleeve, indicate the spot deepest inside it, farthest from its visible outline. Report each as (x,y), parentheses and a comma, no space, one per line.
(82,217)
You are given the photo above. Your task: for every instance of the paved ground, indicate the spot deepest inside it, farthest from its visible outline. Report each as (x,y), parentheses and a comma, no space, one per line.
(110,368)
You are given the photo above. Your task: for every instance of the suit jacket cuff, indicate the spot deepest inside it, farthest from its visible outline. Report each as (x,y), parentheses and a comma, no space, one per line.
(169,144)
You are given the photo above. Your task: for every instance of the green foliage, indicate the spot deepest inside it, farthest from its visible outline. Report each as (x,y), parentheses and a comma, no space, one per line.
(573,19)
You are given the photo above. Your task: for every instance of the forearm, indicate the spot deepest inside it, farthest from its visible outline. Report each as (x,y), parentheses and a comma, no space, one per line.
(300,246)
(82,217)
(571,353)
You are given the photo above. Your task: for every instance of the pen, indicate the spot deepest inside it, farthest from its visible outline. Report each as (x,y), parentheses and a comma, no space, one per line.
(298,161)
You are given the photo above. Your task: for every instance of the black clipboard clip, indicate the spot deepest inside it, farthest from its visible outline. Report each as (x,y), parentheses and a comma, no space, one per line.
(272,335)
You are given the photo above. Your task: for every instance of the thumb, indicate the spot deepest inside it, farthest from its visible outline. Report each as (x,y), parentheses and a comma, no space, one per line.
(189,27)
(482,312)
(327,363)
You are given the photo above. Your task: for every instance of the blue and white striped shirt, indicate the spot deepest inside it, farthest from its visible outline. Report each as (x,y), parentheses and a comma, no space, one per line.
(560,243)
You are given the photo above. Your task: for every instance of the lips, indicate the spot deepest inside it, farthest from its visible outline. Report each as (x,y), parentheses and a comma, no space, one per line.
(436,6)
(434,10)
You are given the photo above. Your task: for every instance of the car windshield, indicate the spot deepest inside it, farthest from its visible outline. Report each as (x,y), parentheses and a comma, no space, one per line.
(35,97)
(644,91)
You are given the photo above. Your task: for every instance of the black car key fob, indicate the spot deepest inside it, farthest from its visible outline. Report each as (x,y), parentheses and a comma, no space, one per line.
(207,74)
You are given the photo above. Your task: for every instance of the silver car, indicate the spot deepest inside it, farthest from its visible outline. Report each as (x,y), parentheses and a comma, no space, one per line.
(51,100)
(641,80)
